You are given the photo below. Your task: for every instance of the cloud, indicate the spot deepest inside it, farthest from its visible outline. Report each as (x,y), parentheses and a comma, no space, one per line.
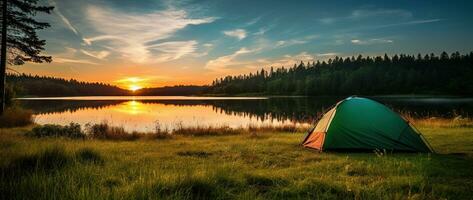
(96,54)
(328,20)
(363,13)
(286,61)
(331,54)
(237,33)
(359,14)
(262,31)
(69,55)
(423,21)
(90,40)
(371,41)
(222,63)
(290,60)
(135,36)
(291,42)
(253,21)
(413,22)
(62,17)
(71,60)
(173,50)
(284,43)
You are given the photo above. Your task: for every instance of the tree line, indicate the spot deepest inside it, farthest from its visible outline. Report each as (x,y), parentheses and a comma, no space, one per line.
(21,85)
(178,90)
(362,75)
(29,85)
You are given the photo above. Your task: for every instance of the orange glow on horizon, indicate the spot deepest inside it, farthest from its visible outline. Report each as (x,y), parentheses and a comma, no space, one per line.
(133,83)
(134,87)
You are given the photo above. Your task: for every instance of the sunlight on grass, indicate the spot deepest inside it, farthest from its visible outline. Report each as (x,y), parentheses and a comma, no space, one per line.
(270,166)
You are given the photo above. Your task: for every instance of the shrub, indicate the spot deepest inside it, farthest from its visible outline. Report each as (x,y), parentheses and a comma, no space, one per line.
(15,116)
(105,131)
(73,130)
(161,132)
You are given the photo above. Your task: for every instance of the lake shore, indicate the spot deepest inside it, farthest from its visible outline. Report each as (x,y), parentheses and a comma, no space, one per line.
(269,165)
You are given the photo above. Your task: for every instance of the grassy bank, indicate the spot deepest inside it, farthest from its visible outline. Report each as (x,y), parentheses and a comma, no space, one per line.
(241,166)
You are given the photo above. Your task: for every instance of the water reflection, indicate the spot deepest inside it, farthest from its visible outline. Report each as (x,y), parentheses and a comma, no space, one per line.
(141,114)
(130,107)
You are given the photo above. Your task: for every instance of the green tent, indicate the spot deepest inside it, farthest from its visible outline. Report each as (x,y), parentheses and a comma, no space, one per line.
(361,124)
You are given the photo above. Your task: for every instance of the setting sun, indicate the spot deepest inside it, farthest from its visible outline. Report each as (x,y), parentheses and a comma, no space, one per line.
(133,83)
(134,87)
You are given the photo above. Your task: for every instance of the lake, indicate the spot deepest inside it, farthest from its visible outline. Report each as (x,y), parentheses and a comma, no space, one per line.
(143,113)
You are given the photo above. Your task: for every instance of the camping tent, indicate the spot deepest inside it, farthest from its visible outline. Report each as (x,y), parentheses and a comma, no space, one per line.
(361,124)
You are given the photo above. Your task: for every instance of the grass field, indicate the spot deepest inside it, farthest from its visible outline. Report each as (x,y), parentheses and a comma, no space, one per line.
(243,166)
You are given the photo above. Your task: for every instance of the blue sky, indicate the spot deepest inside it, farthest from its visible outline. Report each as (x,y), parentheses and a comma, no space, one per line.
(193,42)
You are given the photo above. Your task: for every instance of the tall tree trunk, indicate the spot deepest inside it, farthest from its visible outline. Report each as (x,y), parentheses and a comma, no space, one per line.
(3,61)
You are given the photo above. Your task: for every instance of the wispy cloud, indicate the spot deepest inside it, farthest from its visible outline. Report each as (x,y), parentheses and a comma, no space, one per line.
(331,54)
(253,21)
(360,14)
(371,41)
(69,55)
(136,36)
(287,60)
(363,13)
(72,60)
(262,31)
(285,43)
(96,54)
(237,33)
(297,41)
(328,20)
(173,50)
(413,22)
(222,63)
(62,17)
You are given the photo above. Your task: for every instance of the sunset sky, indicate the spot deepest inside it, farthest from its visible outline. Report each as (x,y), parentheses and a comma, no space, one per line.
(149,43)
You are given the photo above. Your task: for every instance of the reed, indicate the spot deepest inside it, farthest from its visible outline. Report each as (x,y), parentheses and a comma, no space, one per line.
(16,117)
(105,131)
(437,121)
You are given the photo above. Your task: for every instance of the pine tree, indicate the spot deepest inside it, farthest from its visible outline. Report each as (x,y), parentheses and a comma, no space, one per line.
(19,37)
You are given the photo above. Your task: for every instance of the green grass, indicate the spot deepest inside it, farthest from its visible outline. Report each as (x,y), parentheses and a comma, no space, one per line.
(243,166)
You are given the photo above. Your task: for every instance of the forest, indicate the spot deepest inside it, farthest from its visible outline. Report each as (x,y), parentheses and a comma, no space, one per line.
(24,85)
(29,85)
(178,90)
(399,74)
(382,75)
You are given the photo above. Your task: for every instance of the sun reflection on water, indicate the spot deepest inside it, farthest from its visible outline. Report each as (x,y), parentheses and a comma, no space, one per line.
(131,107)
(135,115)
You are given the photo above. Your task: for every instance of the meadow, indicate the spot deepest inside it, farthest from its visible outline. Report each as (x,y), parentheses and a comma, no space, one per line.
(249,165)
